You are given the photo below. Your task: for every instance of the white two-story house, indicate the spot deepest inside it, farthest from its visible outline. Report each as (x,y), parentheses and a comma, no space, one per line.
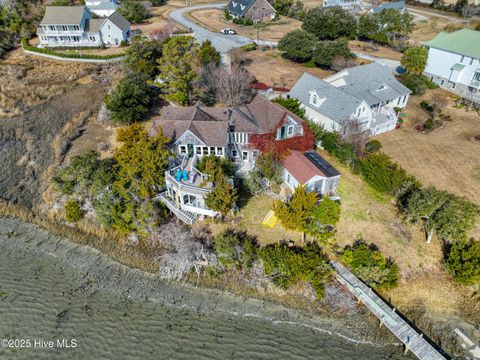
(73,26)
(454,63)
(368,93)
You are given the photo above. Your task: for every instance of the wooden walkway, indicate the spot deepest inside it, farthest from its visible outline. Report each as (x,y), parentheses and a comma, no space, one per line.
(413,340)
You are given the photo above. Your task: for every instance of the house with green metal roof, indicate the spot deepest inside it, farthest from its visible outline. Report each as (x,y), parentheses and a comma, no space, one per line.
(454,62)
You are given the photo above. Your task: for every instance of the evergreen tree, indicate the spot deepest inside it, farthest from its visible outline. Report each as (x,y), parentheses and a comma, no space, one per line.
(223,197)
(208,54)
(330,23)
(414,59)
(177,69)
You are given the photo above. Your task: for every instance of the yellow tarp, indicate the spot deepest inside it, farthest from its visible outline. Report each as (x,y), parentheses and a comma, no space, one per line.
(270,220)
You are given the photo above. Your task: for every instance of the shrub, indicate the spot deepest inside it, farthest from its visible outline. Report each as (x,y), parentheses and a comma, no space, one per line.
(68,56)
(428,125)
(243,21)
(373,146)
(291,104)
(288,265)
(235,250)
(330,24)
(463,261)
(73,210)
(327,51)
(369,264)
(129,101)
(414,59)
(213,165)
(298,45)
(226,14)
(383,174)
(417,83)
(269,167)
(133,11)
(426,106)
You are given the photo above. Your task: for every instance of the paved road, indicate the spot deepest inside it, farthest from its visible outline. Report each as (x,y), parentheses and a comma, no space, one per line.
(223,43)
(414,11)
(394,65)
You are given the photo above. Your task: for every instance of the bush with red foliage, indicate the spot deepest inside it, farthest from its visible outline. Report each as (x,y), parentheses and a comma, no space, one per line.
(267,142)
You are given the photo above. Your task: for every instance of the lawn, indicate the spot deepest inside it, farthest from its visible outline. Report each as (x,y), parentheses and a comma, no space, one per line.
(447,157)
(270,68)
(250,219)
(213,19)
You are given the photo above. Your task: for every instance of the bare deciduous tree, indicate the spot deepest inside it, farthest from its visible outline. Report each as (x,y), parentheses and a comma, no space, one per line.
(340,63)
(182,252)
(162,33)
(232,88)
(438,103)
(354,132)
(237,56)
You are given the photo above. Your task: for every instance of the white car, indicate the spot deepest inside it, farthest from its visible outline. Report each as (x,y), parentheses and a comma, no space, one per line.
(228,31)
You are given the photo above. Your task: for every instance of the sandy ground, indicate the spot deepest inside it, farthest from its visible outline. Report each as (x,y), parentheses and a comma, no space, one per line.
(375,50)
(213,19)
(159,19)
(446,157)
(270,68)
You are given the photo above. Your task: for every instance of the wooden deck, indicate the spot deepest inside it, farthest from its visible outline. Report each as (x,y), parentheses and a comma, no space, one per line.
(413,340)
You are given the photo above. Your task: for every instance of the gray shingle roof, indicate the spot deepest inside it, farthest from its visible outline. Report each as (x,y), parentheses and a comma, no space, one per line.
(397,5)
(94,25)
(239,7)
(119,21)
(104,6)
(338,105)
(63,15)
(373,83)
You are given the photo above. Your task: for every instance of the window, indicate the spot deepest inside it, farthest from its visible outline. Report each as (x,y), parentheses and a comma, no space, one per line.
(461,60)
(255,153)
(472,90)
(189,199)
(476,76)
(219,151)
(453,85)
(398,101)
(183,149)
(198,150)
(442,82)
(471,61)
(244,155)
(314,99)
(290,130)
(205,150)
(234,153)
(212,151)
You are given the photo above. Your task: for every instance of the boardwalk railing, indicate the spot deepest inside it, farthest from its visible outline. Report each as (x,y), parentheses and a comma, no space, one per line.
(413,340)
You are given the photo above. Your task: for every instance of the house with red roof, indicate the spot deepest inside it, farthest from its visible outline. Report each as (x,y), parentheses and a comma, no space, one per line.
(310,169)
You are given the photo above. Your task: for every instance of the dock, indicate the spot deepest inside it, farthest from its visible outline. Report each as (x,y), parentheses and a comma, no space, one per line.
(412,339)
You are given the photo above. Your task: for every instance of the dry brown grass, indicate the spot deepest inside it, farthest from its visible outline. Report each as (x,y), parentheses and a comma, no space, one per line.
(374,49)
(270,68)
(159,18)
(213,19)
(446,157)
(427,29)
(373,216)
(309,4)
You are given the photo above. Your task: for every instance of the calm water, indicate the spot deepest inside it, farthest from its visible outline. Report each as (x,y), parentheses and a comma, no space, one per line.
(52,289)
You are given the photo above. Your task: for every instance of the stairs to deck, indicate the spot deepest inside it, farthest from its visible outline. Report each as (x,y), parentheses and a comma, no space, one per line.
(186,216)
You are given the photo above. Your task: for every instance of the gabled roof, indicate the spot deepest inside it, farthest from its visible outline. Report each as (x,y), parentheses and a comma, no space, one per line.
(397,5)
(335,104)
(373,83)
(239,7)
(302,168)
(63,15)
(118,20)
(94,25)
(463,42)
(210,125)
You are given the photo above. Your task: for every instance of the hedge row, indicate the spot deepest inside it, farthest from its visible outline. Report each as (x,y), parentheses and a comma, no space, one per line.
(68,56)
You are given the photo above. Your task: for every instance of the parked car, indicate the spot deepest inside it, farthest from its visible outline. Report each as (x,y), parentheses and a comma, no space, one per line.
(228,31)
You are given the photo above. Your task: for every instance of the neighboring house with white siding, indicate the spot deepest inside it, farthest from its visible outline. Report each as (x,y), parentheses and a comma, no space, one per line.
(454,62)
(349,5)
(102,8)
(368,93)
(73,26)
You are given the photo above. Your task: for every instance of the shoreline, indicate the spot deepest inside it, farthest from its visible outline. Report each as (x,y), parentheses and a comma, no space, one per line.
(100,273)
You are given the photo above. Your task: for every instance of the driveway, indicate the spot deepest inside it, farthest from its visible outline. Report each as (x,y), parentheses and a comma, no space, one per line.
(394,65)
(223,43)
